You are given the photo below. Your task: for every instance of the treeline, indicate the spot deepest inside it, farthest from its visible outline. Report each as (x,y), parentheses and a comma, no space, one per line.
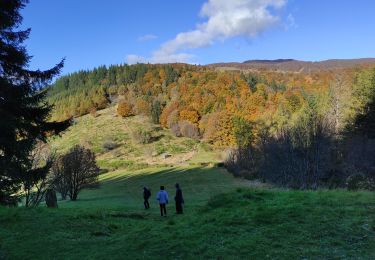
(331,142)
(81,92)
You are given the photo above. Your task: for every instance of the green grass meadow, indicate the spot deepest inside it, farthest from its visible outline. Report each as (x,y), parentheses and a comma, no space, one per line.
(224,218)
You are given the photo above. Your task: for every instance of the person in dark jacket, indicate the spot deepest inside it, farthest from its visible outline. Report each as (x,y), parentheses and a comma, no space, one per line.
(146,196)
(179,199)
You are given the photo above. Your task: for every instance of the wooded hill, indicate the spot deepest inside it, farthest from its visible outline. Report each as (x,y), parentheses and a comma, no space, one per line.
(206,100)
(301,130)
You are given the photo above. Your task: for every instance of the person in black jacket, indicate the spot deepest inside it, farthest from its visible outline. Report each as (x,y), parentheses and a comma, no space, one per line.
(146,196)
(179,199)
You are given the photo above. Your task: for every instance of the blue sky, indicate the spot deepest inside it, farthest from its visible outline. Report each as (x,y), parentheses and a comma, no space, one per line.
(90,33)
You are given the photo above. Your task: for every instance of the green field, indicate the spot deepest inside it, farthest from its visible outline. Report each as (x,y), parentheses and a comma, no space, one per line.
(225,218)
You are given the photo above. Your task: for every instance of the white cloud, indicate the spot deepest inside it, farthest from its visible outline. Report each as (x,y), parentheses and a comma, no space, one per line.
(170,58)
(290,22)
(147,37)
(225,19)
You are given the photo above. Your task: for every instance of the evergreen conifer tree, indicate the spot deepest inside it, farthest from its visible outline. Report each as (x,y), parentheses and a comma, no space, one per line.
(23,109)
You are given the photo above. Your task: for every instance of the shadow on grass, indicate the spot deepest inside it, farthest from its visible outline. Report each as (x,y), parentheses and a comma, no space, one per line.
(126,188)
(188,177)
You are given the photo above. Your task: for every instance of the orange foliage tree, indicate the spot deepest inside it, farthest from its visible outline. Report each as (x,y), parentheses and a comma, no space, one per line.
(124,109)
(166,112)
(190,115)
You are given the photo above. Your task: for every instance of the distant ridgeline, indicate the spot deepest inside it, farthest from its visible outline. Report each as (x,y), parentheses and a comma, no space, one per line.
(216,104)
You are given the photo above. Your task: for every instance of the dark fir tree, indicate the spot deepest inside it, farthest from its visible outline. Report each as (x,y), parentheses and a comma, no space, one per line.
(23,110)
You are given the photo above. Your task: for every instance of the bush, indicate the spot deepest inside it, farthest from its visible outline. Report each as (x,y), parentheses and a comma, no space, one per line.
(188,129)
(175,129)
(122,90)
(360,182)
(160,148)
(359,163)
(142,107)
(124,109)
(237,162)
(205,147)
(142,136)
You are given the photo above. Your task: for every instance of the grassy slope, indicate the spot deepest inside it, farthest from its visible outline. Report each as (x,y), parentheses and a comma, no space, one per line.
(223,219)
(94,132)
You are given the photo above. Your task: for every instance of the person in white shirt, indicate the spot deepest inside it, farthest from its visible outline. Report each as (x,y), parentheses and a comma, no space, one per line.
(162,197)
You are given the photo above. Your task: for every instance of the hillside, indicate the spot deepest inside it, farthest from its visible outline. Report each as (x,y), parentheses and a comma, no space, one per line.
(195,107)
(290,65)
(110,137)
(200,95)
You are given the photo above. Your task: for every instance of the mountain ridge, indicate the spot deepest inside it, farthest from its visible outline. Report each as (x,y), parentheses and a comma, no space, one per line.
(292,65)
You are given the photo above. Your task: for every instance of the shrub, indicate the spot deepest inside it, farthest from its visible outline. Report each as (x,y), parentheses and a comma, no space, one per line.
(205,147)
(359,162)
(122,90)
(360,182)
(142,136)
(124,109)
(112,90)
(175,129)
(160,148)
(188,129)
(236,162)
(142,107)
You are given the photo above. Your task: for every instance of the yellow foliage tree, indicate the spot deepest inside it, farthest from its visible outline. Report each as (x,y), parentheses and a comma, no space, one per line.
(142,107)
(190,115)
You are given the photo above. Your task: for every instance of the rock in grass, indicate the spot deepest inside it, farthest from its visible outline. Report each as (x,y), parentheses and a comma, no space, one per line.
(165,155)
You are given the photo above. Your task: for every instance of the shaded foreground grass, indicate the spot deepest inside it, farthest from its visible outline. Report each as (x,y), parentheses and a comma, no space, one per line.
(220,222)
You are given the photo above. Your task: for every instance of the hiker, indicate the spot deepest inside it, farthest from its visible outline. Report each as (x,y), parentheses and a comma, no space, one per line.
(179,199)
(162,197)
(146,196)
